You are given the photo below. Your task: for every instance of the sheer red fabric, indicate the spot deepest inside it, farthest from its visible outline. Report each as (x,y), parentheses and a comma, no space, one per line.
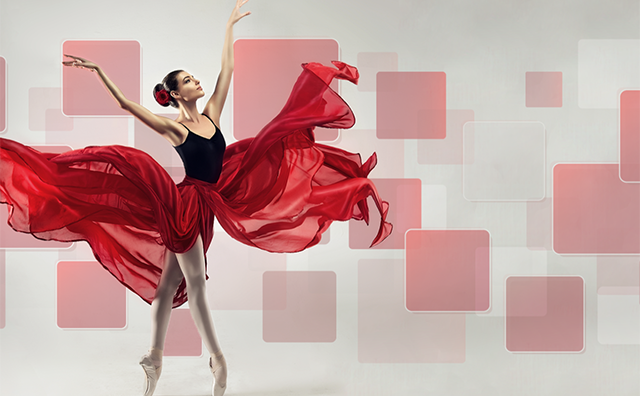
(278,191)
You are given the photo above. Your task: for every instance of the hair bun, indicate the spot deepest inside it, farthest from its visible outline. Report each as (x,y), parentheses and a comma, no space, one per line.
(161,95)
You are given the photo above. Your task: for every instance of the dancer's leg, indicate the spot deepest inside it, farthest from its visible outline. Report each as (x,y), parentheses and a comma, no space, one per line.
(192,266)
(161,305)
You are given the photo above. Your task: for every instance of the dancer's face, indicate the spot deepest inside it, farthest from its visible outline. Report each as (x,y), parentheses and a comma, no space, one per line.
(189,88)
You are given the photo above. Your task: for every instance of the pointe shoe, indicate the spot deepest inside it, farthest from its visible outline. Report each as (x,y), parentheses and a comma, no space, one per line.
(217,390)
(152,374)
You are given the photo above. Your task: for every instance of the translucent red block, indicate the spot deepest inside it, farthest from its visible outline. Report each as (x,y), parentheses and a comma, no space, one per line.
(545,314)
(630,135)
(405,212)
(83,94)
(299,306)
(264,73)
(87,296)
(388,333)
(183,338)
(236,273)
(594,212)
(448,270)
(543,89)
(411,105)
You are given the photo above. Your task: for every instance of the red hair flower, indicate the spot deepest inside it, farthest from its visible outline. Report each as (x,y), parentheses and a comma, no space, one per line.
(162,97)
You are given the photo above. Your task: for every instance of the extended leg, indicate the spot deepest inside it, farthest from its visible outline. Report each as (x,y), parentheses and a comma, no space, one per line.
(163,300)
(192,266)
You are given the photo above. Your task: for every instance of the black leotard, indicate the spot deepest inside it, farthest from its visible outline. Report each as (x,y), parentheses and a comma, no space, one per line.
(202,157)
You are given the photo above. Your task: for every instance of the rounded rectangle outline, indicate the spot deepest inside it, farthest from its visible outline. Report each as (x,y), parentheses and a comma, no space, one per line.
(584,318)
(553,249)
(620,136)
(55,304)
(6,96)
(62,85)
(544,175)
(300,342)
(231,88)
(404,267)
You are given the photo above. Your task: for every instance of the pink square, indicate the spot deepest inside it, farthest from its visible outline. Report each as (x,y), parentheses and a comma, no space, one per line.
(150,141)
(539,224)
(44,111)
(11,239)
(630,135)
(388,333)
(545,314)
(594,212)
(88,296)
(618,275)
(299,306)
(543,89)
(370,63)
(449,149)
(2,290)
(236,273)
(265,71)
(183,338)
(411,105)
(83,94)
(405,212)
(3,94)
(448,270)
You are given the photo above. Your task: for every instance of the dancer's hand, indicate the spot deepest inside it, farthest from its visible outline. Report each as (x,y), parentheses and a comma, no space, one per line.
(236,15)
(81,63)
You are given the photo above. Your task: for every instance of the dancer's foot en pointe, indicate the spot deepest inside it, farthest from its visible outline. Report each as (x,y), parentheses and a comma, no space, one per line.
(151,363)
(218,367)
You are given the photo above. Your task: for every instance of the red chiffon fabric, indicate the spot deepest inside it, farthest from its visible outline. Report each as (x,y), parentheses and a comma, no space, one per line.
(278,191)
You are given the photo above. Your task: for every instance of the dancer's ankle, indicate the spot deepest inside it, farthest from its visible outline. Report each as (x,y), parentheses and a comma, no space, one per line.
(156,356)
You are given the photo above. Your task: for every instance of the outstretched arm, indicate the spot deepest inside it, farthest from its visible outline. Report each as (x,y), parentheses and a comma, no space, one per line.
(164,126)
(213,108)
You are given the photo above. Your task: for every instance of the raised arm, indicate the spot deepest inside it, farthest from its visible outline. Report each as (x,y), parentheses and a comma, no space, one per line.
(214,106)
(166,127)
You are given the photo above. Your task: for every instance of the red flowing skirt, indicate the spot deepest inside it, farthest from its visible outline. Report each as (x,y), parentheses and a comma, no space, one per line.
(278,191)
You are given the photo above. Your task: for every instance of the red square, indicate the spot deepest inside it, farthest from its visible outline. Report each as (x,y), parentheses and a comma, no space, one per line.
(594,212)
(11,239)
(411,105)
(543,89)
(630,135)
(3,94)
(545,314)
(265,71)
(448,270)
(83,93)
(299,306)
(405,212)
(88,296)
(183,338)
(388,333)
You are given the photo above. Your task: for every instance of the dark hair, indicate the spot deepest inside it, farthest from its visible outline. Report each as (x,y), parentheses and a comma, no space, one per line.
(169,83)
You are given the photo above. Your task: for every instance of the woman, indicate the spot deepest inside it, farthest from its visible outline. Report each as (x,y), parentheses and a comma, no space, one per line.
(278,191)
